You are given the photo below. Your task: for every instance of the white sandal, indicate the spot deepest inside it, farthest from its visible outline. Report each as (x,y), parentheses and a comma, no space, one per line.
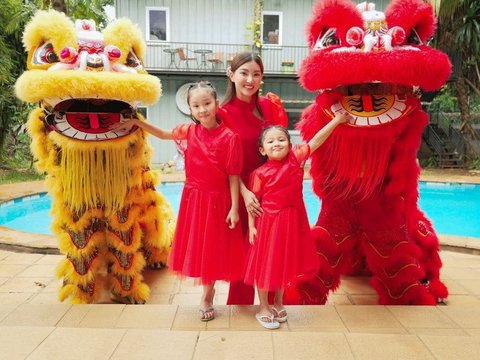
(267,321)
(280,315)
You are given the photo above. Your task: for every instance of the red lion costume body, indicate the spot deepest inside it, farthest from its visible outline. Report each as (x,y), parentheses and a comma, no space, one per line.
(371,65)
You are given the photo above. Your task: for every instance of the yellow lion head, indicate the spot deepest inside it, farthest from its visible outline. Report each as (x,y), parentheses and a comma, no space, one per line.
(84,79)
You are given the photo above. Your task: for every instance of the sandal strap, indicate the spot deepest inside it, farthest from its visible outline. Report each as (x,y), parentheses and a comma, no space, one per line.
(266,318)
(278,313)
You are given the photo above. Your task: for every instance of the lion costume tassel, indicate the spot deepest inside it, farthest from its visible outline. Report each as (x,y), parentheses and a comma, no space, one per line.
(107,215)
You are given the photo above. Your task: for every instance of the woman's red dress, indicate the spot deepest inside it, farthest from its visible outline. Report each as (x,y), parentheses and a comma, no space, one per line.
(204,246)
(283,246)
(248,126)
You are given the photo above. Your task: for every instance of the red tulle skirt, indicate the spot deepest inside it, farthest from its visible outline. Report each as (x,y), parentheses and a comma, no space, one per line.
(204,247)
(283,249)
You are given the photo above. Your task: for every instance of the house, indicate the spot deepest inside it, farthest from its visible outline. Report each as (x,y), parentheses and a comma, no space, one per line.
(189,40)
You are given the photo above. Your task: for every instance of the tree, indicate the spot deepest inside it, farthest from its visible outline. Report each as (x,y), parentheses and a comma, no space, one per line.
(257,24)
(14,15)
(459,29)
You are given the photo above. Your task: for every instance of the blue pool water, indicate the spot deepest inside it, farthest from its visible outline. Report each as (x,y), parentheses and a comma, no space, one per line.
(454,209)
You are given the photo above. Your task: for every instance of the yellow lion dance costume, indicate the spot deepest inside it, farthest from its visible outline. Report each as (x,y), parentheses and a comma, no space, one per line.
(108,217)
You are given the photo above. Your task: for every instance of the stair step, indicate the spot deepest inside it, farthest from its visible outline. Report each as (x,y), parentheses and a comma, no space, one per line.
(53,331)
(88,343)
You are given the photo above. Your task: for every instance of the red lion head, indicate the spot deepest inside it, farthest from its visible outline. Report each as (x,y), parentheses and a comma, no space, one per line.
(352,44)
(372,65)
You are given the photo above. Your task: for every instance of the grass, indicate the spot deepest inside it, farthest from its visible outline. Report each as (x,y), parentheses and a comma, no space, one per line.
(19,175)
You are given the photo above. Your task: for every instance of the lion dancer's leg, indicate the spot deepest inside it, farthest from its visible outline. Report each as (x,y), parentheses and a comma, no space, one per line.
(139,235)
(82,240)
(157,222)
(335,240)
(126,261)
(402,180)
(391,253)
(430,260)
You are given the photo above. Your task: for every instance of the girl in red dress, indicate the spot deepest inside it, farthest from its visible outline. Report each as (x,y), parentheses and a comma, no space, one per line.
(249,115)
(282,245)
(207,242)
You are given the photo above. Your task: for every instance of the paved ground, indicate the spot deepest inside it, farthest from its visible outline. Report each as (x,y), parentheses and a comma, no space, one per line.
(34,325)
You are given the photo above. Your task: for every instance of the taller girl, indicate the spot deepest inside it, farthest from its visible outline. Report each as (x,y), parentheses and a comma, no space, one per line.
(249,115)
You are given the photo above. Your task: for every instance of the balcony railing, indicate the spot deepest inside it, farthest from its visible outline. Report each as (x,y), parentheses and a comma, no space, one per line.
(207,57)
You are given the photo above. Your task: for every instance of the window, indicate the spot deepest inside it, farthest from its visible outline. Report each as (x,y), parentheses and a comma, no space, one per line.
(158,24)
(143,111)
(272,27)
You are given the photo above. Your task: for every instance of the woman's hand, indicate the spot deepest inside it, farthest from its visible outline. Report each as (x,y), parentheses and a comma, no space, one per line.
(232,218)
(252,233)
(251,203)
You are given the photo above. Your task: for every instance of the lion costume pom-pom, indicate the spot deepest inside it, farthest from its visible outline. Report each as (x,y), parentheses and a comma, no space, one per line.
(107,215)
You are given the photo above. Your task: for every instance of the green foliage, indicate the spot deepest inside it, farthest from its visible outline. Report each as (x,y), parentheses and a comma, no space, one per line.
(430,162)
(19,175)
(255,28)
(459,29)
(475,164)
(468,32)
(89,9)
(445,100)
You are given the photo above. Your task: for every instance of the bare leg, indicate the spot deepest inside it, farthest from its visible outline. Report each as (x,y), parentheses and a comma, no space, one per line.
(279,312)
(278,300)
(206,303)
(264,308)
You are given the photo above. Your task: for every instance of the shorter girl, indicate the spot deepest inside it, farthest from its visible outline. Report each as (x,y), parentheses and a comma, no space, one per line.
(282,245)
(207,243)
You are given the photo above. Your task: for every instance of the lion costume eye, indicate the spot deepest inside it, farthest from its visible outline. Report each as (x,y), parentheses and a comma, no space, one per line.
(413,38)
(133,62)
(329,38)
(44,55)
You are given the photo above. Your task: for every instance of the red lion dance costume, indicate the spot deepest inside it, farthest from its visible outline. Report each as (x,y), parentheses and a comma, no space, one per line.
(371,65)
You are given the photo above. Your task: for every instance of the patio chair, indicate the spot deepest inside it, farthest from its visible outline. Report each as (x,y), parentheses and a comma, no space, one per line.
(217,61)
(230,58)
(185,59)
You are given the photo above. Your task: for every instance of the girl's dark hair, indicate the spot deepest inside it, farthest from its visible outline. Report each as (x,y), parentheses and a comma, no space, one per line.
(238,61)
(268,128)
(201,85)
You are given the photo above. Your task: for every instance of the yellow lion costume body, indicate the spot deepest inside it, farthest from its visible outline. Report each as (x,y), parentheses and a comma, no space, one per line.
(107,215)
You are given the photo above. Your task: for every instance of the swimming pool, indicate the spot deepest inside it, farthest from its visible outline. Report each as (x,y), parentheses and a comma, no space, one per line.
(454,209)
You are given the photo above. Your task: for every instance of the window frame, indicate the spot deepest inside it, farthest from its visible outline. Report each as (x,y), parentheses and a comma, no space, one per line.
(280,27)
(143,110)
(149,9)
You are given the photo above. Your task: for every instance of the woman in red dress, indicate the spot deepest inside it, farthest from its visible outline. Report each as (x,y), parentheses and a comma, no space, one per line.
(282,245)
(207,242)
(249,114)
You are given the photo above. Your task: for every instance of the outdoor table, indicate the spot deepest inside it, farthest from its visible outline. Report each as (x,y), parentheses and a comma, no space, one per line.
(203,53)
(172,53)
